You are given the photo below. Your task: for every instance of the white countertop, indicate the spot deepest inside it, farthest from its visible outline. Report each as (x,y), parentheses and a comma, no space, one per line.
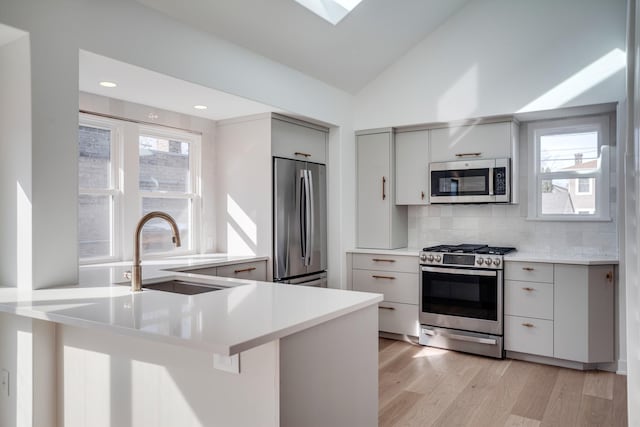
(604,259)
(228,321)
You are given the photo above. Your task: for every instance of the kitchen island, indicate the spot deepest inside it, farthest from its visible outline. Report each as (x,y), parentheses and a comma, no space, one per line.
(253,353)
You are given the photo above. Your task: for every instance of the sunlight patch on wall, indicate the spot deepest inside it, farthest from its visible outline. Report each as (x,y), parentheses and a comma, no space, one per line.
(580,82)
(23,239)
(461,99)
(242,232)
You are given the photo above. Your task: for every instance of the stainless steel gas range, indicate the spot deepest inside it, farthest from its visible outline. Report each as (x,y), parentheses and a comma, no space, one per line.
(461,298)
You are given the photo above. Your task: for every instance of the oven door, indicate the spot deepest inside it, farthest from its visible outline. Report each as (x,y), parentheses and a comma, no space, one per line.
(466,299)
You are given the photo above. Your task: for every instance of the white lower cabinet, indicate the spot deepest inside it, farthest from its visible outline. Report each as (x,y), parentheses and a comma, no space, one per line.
(563,311)
(528,335)
(251,270)
(396,277)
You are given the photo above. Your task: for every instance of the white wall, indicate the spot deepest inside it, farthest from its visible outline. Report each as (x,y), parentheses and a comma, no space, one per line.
(498,57)
(127,31)
(15,163)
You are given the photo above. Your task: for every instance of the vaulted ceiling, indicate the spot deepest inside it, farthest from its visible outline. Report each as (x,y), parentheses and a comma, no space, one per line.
(348,56)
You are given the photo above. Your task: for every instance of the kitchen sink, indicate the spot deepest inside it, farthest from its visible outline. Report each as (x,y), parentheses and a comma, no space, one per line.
(181,287)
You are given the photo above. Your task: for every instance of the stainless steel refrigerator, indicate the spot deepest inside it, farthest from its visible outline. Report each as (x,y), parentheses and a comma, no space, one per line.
(299,222)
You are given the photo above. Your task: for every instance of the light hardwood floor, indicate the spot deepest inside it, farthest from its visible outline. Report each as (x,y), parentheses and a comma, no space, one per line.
(423,386)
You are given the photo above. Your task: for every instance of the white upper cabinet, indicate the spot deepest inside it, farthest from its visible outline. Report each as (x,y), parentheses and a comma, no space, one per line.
(297,141)
(412,168)
(475,141)
(380,223)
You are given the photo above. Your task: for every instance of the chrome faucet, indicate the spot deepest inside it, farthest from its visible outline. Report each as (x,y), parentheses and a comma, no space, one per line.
(136,276)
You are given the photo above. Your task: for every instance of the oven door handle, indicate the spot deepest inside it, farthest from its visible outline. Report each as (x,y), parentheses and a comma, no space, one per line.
(488,273)
(461,337)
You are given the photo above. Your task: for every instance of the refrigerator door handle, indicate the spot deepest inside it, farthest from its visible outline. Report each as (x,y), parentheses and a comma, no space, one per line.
(303,215)
(310,220)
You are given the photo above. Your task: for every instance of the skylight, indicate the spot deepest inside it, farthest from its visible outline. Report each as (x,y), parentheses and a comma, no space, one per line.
(332,11)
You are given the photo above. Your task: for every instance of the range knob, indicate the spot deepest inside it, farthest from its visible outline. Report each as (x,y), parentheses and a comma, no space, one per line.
(430,257)
(480,261)
(496,261)
(423,257)
(438,258)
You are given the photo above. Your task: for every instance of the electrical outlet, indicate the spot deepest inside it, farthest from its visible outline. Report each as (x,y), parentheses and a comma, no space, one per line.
(4,382)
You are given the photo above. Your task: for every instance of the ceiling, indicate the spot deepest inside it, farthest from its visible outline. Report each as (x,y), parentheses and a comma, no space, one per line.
(348,56)
(142,86)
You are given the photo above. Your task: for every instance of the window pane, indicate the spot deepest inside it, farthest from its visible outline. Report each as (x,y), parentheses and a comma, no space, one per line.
(94,226)
(564,152)
(561,197)
(94,163)
(164,165)
(156,234)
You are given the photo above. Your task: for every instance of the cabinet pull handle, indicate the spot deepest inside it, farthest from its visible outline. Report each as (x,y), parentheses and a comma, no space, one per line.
(380,307)
(528,325)
(422,195)
(529,289)
(468,154)
(528,268)
(384,181)
(298,153)
(243,270)
(383,260)
(383,277)
(610,276)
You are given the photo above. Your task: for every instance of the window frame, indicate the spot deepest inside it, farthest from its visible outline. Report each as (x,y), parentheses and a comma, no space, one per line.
(114,190)
(535,131)
(194,193)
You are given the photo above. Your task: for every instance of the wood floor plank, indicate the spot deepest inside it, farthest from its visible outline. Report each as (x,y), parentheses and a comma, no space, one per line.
(595,411)
(518,421)
(599,384)
(620,401)
(466,403)
(564,404)
(496,408)
(384,343)
(539,385)
(397,407)
(423,386)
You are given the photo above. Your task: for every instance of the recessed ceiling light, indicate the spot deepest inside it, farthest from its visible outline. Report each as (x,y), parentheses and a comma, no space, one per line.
(108,84)
(200,107)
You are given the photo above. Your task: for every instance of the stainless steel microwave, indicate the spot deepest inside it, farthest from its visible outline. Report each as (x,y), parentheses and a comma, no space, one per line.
(471,181)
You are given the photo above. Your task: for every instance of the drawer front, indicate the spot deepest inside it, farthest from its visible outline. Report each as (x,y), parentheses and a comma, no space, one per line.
(396,287)
(398,318)
(208,271)
(406,264)
(247,270)
(527,335)
(528,271)
(528,299)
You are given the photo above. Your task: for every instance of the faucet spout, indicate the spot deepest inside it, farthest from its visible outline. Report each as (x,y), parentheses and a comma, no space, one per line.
(136,274)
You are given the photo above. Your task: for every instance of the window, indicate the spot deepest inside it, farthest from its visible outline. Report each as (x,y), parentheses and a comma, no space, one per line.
(157,170)
(569,177)
(167,183)
(98,189)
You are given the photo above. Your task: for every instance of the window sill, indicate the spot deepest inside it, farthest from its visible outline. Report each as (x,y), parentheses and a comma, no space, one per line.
(567,218)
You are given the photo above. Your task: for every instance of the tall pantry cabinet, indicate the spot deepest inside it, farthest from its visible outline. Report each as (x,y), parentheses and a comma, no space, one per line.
(381,223)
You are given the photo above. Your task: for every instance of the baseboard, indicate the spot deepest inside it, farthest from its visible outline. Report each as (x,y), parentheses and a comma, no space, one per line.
(398,337)
(619,367)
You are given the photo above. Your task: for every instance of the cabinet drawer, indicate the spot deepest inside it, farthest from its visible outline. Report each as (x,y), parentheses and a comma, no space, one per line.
(297,142)
(396,287)
(528,299)
(398,318)
(527,335)
(406,264)
(528,271)
(207,271)
(248,270)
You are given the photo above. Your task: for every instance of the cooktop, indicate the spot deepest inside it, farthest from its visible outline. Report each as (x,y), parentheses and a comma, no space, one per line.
(467,248)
